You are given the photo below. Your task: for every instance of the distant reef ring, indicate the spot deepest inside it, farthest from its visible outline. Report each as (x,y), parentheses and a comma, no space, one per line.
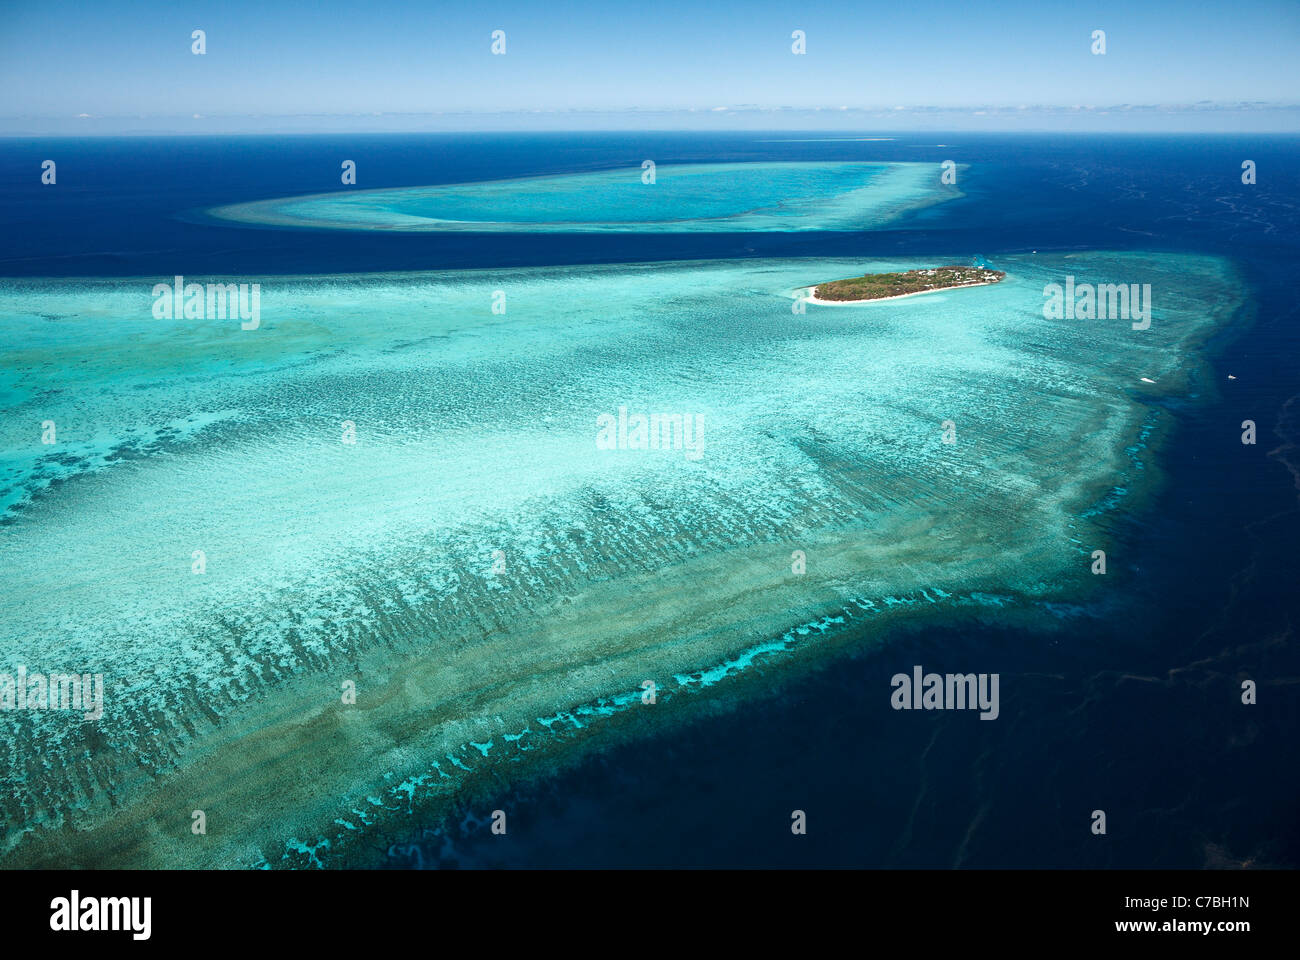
(672,198)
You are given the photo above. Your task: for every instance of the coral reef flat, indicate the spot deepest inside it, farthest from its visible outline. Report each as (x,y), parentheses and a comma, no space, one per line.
(487,577)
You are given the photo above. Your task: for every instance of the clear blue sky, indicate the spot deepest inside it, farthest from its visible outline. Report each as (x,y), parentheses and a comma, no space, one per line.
(132,60)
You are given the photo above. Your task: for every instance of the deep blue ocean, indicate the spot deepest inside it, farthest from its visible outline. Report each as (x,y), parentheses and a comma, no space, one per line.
(1134,708)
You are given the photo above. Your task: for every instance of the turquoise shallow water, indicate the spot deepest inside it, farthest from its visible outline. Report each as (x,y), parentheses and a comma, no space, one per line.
(683,198)
(328,561)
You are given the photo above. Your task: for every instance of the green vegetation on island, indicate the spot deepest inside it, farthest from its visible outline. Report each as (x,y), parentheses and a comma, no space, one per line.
(878,286)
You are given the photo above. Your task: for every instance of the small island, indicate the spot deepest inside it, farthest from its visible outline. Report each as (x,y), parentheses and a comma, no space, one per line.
(887,286)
